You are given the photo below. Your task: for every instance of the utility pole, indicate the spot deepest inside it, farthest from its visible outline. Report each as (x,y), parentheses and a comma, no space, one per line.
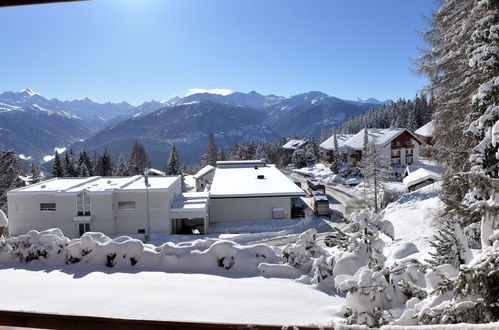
(146,181)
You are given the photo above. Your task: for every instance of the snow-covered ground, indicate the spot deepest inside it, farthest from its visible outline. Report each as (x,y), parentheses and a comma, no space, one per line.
(248,232)
(412,218)
(165,296)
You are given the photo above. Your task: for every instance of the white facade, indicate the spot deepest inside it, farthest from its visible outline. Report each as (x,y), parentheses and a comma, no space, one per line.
(204,177)
(250,190)
(112,205)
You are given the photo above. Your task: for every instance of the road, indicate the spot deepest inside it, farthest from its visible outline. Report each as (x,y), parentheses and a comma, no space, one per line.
(347,202)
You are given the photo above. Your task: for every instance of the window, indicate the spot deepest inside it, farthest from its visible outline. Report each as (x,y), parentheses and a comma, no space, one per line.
(409,152)
(409,160)
(126,205)
(396,161)
(82,204)
(47,206)
(83,228)
(395,153)
(395,143)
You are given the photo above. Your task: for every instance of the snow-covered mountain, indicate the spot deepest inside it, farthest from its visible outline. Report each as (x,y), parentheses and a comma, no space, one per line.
(61,123)
(185,125)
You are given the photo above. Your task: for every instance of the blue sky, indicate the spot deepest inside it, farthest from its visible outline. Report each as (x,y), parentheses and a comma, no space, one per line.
(137,50)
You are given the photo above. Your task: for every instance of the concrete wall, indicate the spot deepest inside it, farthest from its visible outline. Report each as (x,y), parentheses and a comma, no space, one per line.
(25,215)
(201,182)
(243,209)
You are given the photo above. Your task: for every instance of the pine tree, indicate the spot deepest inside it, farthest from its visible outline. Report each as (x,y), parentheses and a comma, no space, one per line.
(9,175)
(312,152)
(84,160)
(211,156)
(83,171)
(299,159)
(335,165)
(70,165)
(122,167)
(174,166)
(374,169)
(451,246)
(138,161)
(58,168)
(104,165)
(36,175)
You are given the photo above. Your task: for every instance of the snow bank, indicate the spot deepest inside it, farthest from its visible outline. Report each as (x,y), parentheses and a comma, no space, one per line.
(201,256)
(412,219)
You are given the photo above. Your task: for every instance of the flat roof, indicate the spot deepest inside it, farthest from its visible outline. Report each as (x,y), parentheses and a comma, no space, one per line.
(96,184)
(243,182)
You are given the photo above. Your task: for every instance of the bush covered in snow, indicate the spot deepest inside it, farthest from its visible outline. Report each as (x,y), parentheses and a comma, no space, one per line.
(203,256)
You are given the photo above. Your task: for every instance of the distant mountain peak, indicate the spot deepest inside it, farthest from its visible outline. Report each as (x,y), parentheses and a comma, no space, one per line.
(29,92)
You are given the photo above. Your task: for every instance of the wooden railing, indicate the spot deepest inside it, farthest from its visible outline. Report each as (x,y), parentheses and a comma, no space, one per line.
(76,322)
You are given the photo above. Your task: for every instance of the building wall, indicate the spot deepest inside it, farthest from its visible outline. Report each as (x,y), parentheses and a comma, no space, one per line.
(243,209)
(25,215)
(201,182)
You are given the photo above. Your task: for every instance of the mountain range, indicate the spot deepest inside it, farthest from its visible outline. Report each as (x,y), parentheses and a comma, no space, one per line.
(33,125)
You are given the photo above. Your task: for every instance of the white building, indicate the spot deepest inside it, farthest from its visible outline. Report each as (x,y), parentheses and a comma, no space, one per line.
(112,205)
(250,190)
(204,177)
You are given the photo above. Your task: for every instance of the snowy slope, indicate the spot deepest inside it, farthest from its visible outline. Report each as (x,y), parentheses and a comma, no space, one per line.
(412,218)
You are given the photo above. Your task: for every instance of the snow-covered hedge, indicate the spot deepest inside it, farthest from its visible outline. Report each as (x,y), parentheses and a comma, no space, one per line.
(203,256)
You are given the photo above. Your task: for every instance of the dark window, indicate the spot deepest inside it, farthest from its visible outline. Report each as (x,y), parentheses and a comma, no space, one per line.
(47,207)
(82,204)
(83,228)
(126,205)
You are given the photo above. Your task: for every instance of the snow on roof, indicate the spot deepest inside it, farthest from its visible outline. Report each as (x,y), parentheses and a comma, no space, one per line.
(383,136)
(341,138)
(196,202)
(414,167)
(244,182)
(426,130)
(420,175)
(294,144)
(202,172)
(96,184)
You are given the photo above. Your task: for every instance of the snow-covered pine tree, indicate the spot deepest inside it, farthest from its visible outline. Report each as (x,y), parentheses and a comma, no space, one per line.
(138,160)
(451,246)
(122,166)
(83,171)
(58,168)
(335,165)
(35,174)
(299,159)
(374,169)
(211,156)
(70,164)
(174,167)
(312,152)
